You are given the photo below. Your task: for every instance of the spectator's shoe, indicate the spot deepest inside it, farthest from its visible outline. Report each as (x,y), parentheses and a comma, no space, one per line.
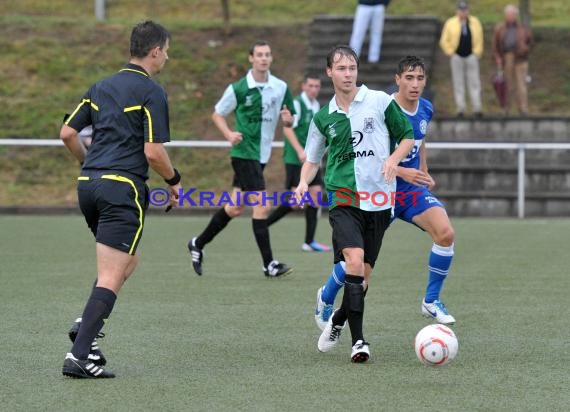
(360,352)
(276,269)
(77,368)
(323,311)
(315,246)
(437,311)
(330,336)
(197,256)
(95,354)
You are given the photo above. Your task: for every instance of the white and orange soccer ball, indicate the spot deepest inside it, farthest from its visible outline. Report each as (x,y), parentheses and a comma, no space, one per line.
(436,345)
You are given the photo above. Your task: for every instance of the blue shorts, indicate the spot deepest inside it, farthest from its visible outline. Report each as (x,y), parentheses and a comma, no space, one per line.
(414,201)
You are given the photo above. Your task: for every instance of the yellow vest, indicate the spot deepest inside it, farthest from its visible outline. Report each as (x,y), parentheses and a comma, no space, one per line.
(451,32)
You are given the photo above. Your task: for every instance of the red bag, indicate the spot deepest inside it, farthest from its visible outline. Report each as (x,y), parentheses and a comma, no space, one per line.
(500,86)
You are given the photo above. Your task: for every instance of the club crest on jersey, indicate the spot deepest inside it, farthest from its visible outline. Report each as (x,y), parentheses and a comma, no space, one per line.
(423,126)
(368,125)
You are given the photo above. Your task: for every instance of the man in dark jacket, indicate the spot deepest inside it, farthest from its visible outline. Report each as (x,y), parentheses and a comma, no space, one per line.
(512,41)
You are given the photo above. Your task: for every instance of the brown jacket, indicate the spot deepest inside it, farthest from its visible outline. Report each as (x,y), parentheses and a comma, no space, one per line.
(524,42)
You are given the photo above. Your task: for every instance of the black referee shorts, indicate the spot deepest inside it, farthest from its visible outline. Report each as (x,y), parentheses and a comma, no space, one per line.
(248,174)
(293,175)
(114,207)
(353,227)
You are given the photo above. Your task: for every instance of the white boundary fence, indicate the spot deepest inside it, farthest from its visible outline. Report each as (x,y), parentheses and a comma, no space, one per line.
(521,149)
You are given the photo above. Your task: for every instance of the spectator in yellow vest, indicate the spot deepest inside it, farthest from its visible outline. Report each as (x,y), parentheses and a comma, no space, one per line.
(462,40)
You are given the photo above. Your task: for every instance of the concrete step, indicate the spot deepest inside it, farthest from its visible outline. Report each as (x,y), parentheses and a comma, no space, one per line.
(489,159)
(535,182)
(505,206)
(401,36)
(503,129)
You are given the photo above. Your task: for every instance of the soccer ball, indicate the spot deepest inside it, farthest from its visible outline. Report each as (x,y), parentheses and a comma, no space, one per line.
(436,345)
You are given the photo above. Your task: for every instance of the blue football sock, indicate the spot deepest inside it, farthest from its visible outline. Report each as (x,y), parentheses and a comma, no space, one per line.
(334,283)
(439,262)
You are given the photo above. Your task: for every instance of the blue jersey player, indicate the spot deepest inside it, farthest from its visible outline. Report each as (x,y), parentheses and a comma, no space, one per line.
(422,209)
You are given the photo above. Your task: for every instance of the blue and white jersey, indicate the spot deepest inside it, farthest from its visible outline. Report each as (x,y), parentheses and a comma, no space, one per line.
(420,120)
(417,199)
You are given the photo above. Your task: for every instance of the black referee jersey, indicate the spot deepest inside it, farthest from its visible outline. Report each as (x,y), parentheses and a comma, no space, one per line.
(126,110)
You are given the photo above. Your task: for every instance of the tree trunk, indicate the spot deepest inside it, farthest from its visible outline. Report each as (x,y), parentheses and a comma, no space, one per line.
(226,15)
(524,8)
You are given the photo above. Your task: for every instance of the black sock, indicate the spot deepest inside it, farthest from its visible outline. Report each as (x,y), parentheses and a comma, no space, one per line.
(353,301)
(261,233)
(218,222)
(98,308)
(278,213)
(311,223)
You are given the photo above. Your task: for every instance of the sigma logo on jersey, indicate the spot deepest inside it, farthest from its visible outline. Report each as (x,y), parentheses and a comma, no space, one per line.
(423,126)
(356,138)
(248,100)
(269,105)
(353,155)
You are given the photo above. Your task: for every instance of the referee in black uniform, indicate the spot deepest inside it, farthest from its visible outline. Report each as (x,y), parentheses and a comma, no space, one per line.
(129,115)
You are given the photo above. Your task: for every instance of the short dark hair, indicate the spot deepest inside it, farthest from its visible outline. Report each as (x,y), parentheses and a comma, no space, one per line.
(410,63)
(342,50)
(146,36)
(311,75)
(256,44)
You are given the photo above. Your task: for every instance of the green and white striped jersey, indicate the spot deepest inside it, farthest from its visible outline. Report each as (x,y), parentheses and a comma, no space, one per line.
(257,110)
(358,144)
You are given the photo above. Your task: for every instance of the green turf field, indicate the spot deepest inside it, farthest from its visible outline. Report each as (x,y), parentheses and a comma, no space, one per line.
(233,340)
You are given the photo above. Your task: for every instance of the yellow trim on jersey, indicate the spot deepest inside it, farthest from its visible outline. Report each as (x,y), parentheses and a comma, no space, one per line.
(76,110)
(148,116)
(129,181)
(83,178)
(147,112)
(133,70)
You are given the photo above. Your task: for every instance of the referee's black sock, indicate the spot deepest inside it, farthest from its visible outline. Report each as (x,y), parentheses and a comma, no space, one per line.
(353,301)
(261,233)
(218,222)
(311,223)
(98,308)
(278,213)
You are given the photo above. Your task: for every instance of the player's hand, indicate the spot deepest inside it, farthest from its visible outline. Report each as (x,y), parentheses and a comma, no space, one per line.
(390,169)
(286,117)
(416,177)
(234,137)
(300,191)
(301,155)
(174,192)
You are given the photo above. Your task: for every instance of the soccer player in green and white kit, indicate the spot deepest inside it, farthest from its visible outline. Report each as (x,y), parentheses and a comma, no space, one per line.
(367,135)
(306,105)
(258,100)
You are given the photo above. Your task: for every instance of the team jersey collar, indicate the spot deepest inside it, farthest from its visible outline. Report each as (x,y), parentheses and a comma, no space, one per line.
(310,104)
(130,67)
(362,90)
(252,84)
(393,96)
